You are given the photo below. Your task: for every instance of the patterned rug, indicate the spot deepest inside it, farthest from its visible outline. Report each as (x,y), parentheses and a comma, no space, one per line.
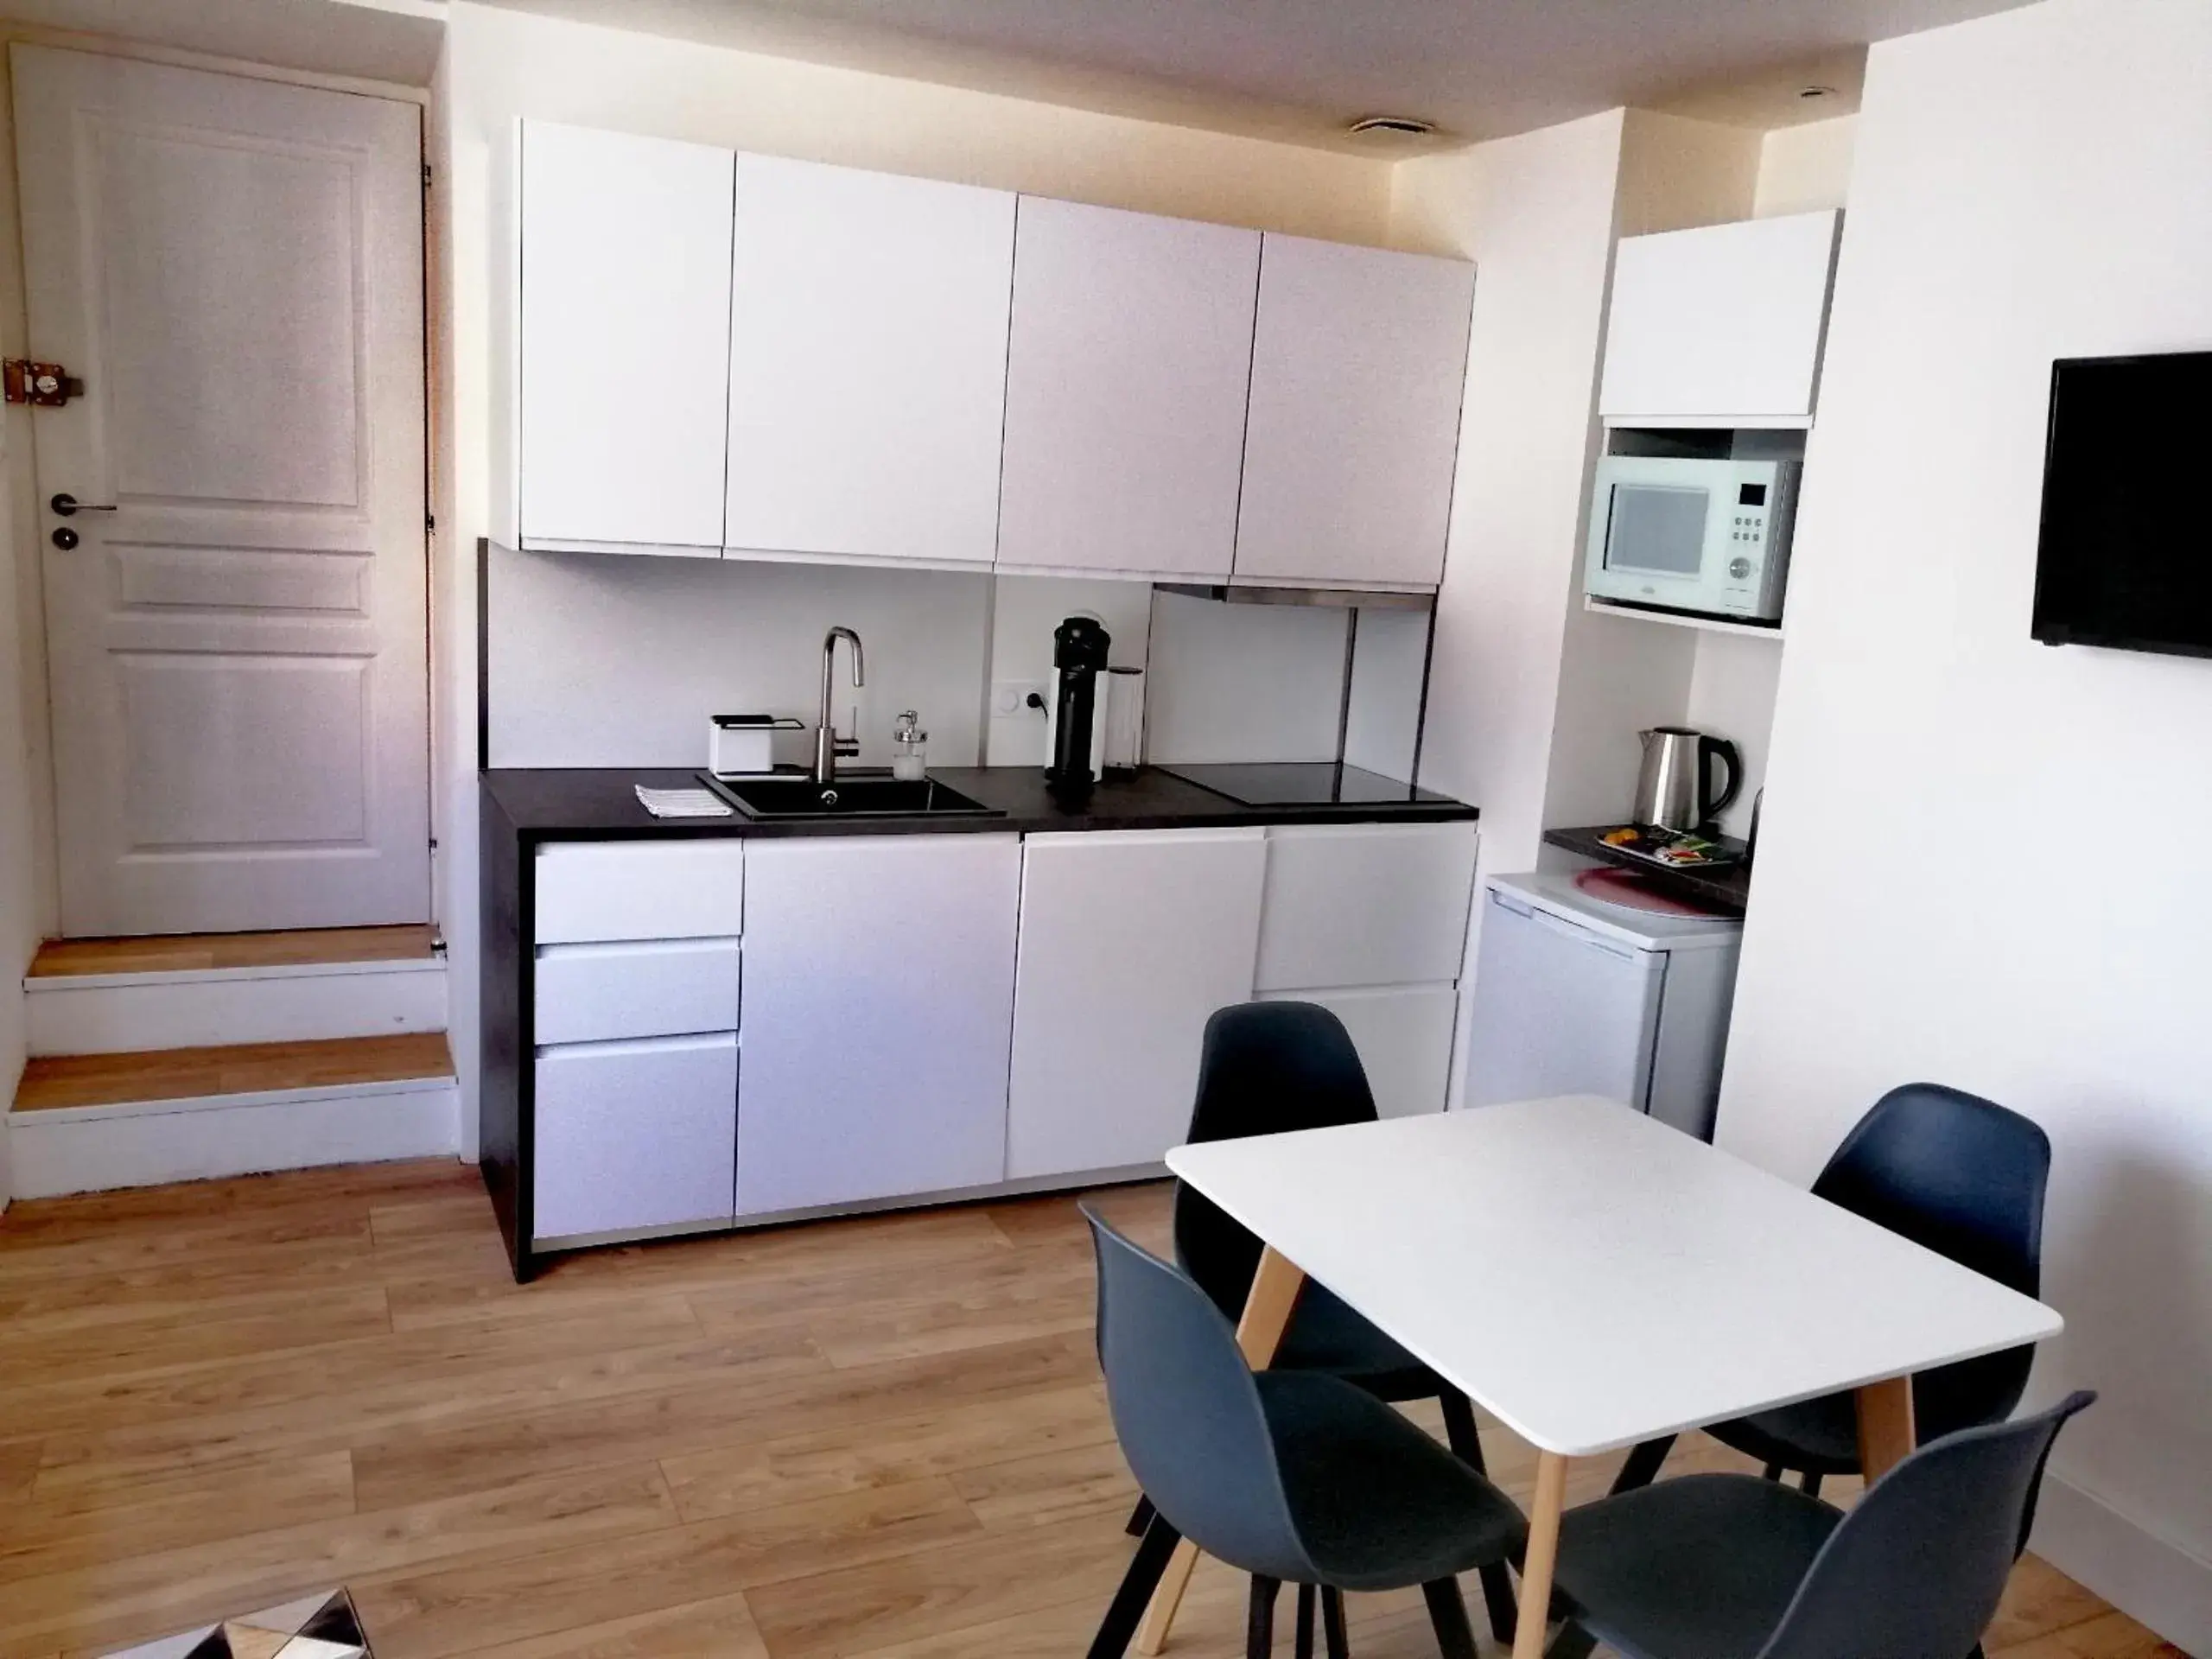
(321,1626)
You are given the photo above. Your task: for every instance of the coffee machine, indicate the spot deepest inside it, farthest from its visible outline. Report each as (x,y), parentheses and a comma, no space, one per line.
(1076,716)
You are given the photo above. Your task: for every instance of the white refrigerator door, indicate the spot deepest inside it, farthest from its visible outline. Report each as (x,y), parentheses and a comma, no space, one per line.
(1559,1010)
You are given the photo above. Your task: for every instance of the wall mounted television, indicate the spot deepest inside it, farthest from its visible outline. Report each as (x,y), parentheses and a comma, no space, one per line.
(2126,554)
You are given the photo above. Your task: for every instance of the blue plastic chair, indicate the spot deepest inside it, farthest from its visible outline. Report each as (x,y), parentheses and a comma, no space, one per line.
(1291,1477)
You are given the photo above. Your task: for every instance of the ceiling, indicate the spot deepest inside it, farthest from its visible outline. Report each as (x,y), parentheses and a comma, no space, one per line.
(1300,70)
(392,40)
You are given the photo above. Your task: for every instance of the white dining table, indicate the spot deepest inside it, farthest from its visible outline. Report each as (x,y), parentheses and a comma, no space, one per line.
(1593,1279)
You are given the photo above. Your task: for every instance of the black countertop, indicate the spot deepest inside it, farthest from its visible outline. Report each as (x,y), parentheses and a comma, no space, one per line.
(596,802)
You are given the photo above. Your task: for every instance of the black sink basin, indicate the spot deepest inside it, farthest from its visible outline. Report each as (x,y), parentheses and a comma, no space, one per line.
(855,795)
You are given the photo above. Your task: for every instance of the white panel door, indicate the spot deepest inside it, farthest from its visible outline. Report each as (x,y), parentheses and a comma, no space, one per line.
(1129,942)
(879,990)
(1365,904)
(1132,350)
(237,651)
(1404,1037)
(634,1137)
(1358,364)
(868,364)
(623,365)
(1722,325)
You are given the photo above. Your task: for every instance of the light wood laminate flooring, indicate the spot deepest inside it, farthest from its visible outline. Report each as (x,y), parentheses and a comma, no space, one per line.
(65,1080)
(208,952)
(870,1438)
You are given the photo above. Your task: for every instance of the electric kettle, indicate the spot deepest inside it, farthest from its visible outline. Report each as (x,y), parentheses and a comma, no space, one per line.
(1675,790)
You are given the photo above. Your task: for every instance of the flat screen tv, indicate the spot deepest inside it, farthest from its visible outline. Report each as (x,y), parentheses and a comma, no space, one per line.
(2125,556)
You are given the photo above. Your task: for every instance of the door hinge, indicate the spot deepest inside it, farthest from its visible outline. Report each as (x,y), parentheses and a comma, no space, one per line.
(45,386)
(426,175)
(430,521)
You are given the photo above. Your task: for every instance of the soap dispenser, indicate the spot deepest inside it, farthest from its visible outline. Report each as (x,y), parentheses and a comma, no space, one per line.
(909,749)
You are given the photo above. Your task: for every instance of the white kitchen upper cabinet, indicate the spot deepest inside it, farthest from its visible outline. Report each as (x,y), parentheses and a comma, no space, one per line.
(1719,326)
(1365,904)
(868,366)
(1129,942)
(1358,360)
(879,989)
(622,356)
(1125,376)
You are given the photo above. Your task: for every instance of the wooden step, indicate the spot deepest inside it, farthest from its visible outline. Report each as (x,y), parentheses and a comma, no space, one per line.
(60,1081)
(184,953)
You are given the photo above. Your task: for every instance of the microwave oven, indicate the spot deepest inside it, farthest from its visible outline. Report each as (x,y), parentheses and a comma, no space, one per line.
(1705,537)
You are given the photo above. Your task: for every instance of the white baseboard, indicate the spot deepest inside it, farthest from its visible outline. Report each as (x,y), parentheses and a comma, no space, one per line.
(2152,1581)
(98,1149)
(111,1013)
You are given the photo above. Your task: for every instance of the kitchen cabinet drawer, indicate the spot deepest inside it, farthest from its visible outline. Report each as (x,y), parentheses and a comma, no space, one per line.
(880,978)
(1358,357)
(625,273)
(600,890)
(1404,1038)
(1365,905)
(637,1136)
(1722,325)
(597,993)
(1131,352)
(1129,942)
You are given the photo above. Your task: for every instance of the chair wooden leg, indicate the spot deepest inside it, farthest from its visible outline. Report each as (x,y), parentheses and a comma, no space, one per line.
(1811,1484)
(1466,1443)
(1332,1623)
(1137,1585)
(1259,1620)
(1643,1465)
(1305,1647)
(1140,1517)
(1455,1639)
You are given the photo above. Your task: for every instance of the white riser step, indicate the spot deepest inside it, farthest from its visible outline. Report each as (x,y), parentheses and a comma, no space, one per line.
(115,1014)
(100,1148)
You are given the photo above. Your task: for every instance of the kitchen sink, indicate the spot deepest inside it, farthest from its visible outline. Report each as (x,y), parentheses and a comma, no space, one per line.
(855,795)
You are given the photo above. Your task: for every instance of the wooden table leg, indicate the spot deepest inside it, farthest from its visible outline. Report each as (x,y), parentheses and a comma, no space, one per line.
(1886,1436)
(1544,1512)
(1267,1306)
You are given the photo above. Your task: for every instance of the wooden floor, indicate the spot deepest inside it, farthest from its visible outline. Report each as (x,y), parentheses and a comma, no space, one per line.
(877,1438)
(58,1080)
(200,952)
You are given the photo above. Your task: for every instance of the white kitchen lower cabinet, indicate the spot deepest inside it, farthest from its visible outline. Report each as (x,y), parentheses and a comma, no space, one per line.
(1404,1037)
(1366,904)
(634,1137)
(878,977)
(1129,942)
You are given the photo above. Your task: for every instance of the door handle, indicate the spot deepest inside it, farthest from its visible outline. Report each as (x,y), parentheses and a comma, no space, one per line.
(68,506)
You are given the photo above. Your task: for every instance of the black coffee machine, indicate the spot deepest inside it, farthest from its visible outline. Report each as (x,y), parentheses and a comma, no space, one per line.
(1076,738)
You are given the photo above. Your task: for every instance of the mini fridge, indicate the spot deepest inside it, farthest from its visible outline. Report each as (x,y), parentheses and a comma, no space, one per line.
(1575,995)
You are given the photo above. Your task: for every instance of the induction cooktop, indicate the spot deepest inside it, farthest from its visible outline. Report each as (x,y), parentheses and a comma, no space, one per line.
(1303,782)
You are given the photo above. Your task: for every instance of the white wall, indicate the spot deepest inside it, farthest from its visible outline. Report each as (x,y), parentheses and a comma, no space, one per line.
(1535,214)
(600,660)
(1243,682)
(1803,169)
(2015,909)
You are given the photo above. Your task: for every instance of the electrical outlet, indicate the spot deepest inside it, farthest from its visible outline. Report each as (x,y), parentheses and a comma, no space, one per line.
(1012,696)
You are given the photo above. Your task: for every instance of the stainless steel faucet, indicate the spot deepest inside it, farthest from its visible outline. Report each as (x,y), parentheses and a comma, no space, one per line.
(828,747)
